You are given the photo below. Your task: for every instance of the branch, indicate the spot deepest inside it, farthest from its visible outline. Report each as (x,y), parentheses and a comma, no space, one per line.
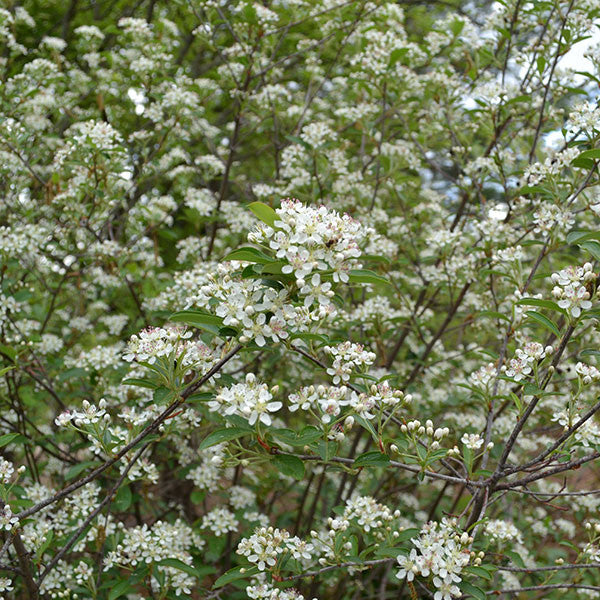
(138,438)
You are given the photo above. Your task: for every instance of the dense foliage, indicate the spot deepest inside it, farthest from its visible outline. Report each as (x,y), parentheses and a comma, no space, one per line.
(298,299)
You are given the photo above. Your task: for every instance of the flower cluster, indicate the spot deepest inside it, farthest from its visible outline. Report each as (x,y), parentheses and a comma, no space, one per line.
(526,359)
(588,373)
(7,520)
(172,341)
(220,521)
(348,358)
(89,415)
(312,239)
(252,400)
(162,541)
(441,553)
(502,531)
(571,288)
(325,402)
(265,546)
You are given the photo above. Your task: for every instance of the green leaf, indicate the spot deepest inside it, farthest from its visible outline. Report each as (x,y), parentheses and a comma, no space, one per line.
(197,497)
(468,456)
(479,571)
(366,276)
(199,319)
(372,459)
(181,566)
(77,469)
(515,558)
(539,303)
(222,435)
(123,499)
(544,321)
(583,163)
(7,438)
(163,395)
(8,351)
(45,544)
(120,589)
(574,237)
(264,212)
(5,370)
(308,435)
(407,534)
(249,255)
(367,425)
(593,154)
(541,63)
(469,588)
(396,55)
(593,247)
(586,352)
(385,552)
(529,389)
(289,465)
(235,574)
(273,268)
(494,315)
(145,383)
(200,397)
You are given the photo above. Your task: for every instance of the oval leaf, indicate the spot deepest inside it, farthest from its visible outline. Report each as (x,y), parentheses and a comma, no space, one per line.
(264,212)
(289,465)
(222,435)
(199,319)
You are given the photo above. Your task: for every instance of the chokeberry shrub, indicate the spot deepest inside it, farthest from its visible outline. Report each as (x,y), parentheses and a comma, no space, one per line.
(298,299)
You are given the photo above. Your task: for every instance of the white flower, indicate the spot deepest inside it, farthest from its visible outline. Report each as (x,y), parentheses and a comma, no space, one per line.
(472,440)
(251,400)
(408,566)
(5,585)
(220,521)
(6,470)
(574,299)
(588,373)
(7,520)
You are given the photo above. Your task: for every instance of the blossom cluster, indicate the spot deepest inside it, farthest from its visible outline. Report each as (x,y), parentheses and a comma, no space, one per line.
(441,553)
(311,240)
(251,399)
(571,288)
